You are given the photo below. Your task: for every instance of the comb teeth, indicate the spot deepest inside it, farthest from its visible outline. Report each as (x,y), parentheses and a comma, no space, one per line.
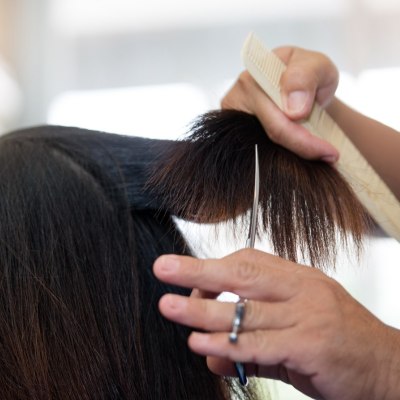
(264,66)
(266,69)
(257,56)
(261,58)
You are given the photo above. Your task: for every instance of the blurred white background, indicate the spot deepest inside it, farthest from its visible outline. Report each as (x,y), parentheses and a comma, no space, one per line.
(149,67)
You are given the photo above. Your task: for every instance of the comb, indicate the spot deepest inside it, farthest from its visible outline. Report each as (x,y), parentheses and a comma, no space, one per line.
(266,68)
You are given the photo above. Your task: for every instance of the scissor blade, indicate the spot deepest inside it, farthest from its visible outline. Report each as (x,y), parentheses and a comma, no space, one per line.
(254,211)
(240,367)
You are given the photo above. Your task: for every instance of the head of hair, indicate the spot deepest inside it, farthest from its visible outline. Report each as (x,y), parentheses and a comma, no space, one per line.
(80,229)
(78,300)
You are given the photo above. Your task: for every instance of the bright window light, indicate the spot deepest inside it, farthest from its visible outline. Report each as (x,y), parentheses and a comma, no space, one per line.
(91,16)
(379,6)
(162,112)
(10,96)
(379,90)
(374,93)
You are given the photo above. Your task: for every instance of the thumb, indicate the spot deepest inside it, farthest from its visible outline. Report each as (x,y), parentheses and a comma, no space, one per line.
(310,76)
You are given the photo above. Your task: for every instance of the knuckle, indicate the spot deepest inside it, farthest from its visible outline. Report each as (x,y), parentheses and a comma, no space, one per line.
(203,308)
(300,77)
(240,95)
(325,61)
(328,286)
(204,314)
(245,254)
(253,315)
(276,133)
(246,271)
(245,80)
(285,52)
(199,264)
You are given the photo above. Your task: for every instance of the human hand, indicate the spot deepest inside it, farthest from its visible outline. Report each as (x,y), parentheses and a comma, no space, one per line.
(310,76)
(299,326)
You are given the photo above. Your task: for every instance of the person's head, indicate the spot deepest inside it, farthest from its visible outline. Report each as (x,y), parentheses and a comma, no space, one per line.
(78,300)
(80,230)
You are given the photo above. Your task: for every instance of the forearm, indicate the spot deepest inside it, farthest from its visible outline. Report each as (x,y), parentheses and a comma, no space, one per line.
(379,143)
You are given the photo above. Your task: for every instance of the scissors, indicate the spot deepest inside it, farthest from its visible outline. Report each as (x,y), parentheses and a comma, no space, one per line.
(251,238)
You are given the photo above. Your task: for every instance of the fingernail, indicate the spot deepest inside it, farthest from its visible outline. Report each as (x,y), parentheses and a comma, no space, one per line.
(331,159)
(296,101)
(168,263)
(174,302)
(200,338)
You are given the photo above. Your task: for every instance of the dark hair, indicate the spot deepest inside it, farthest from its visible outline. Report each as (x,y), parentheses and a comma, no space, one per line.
(80,230)
(78,300)
(307,208)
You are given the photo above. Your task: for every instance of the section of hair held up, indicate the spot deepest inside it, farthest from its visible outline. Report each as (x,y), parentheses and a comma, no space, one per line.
(307,209)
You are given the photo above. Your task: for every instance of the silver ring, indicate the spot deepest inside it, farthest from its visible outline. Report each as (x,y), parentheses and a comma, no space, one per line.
(237,320)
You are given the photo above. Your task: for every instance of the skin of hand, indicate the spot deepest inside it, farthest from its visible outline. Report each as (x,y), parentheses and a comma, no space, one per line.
(310,76)
(299,326)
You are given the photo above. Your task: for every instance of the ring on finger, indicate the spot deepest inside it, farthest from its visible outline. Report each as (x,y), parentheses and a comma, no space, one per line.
(237,320)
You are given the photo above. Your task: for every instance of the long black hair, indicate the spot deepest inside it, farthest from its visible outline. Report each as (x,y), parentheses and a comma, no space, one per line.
(83,216)
(78,300)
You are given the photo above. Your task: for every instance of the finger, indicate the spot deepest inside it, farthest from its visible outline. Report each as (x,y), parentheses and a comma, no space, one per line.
(247,273)
(212,315)
(291,134)
(309,76)
(246,95)
(264,348)
(224,367)
(264,353)
(243,95)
